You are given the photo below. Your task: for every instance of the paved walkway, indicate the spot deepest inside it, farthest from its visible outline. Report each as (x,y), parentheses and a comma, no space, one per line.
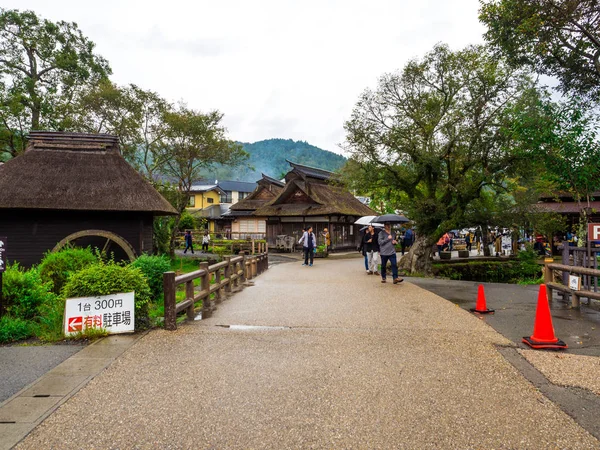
(327,357)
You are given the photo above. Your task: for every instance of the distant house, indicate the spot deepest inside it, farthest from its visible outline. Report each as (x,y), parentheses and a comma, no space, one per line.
(244,223)
(212,201)
(73,187)
(311,197)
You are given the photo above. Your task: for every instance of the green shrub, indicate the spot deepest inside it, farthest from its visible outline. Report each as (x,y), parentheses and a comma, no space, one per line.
(24,291)
(187,222)
(14,329)
(489,271)
(153,268)
(50,317)
(58,266)
(105,278)
(528,262)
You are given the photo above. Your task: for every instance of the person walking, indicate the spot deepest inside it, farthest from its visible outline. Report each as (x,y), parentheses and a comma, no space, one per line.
(387,251)
(205,241)
(468,241)
(408,240)
(309,244)
(327,238)
(189,242)
(372,250)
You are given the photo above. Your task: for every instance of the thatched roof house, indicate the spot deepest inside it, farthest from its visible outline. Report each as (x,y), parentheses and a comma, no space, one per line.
(311,197)
(244,222)
(66,184)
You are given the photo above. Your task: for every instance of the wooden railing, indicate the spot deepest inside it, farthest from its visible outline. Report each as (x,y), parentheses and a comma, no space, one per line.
(566,270)
(228,275)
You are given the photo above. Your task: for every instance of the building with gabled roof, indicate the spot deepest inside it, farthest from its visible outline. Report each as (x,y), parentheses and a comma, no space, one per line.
(75,187)
(244,222)
(312,197)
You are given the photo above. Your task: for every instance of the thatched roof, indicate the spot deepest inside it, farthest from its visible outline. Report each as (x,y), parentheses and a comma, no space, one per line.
(305,172)
(306,198)
(75,171)
(268,188)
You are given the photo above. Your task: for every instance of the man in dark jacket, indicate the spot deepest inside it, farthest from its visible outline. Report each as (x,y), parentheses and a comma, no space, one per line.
(387,250)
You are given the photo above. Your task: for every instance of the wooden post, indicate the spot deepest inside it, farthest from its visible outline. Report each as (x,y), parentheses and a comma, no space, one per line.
(565,261)
(189,294)
(228,274)
(218,292)
(254,267)
(248,268)
(169,301)
(205,286)
(253,246)
(243,265)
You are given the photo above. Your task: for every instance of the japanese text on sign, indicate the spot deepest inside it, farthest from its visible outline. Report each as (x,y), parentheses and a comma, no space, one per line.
(115,313)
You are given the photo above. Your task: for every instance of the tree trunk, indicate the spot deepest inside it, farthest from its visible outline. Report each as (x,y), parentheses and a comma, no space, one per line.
(418,258)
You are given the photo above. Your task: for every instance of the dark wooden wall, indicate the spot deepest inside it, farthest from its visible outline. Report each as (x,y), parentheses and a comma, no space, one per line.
(30,233)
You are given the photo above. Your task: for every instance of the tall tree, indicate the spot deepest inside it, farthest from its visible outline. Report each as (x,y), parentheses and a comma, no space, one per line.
(560,38)
(562,138)
(194,141)
(135,115)
(43,65)
(434,136)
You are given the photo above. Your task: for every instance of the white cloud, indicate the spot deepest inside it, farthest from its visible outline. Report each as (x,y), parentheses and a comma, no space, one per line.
(276,68)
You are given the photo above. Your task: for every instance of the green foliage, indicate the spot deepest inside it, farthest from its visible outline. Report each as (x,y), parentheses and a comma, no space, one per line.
(50,318)
(153,268)
(490,271)
(187,222)
(431,137)
(44,66)
(161,237)
(110,278)
(14,329)
(57,267)
(558,38)
(269,157)
(88,334)
(24,291)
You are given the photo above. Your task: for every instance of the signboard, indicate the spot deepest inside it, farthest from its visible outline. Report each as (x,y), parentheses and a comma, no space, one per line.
(115,313)
(594,231)
(2,253)
(574,282)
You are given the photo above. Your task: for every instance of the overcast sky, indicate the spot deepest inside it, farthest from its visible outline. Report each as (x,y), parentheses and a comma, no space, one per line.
(275,68)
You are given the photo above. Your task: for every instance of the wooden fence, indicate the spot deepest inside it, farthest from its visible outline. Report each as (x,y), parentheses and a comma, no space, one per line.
(575,260)
(228,275)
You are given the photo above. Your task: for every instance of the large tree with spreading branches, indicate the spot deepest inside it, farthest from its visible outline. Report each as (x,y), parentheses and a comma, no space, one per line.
(433,137)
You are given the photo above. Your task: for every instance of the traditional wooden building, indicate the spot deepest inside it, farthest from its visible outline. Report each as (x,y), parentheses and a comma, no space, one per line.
(71,187)
(310,197)
(244,222)
(563,203)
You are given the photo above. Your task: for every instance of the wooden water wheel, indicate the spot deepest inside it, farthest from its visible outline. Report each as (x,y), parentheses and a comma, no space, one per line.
(112,239)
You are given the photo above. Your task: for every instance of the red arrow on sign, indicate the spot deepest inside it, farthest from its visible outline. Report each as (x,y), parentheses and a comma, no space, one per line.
(75,324)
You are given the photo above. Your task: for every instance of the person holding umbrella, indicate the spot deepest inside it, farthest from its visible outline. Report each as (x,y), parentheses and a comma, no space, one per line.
(387,250)
(372,250)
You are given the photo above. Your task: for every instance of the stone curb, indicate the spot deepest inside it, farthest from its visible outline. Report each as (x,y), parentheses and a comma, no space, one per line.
(25,410)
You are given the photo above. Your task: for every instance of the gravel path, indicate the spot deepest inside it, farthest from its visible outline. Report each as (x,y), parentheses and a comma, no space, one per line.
(330,358)
(566,369)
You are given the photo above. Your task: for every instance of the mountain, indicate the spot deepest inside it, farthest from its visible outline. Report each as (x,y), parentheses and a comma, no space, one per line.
(269,157)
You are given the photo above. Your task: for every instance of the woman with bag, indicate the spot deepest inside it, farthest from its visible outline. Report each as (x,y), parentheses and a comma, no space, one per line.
(372,250)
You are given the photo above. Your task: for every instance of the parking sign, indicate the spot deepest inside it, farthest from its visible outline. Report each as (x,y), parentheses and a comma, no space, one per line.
(115,313)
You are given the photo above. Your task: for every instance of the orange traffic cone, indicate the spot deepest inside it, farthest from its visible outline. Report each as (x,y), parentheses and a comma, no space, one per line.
(480,306)
(543,330)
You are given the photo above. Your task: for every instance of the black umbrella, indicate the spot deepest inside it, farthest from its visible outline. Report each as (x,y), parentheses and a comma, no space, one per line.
(390,218)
